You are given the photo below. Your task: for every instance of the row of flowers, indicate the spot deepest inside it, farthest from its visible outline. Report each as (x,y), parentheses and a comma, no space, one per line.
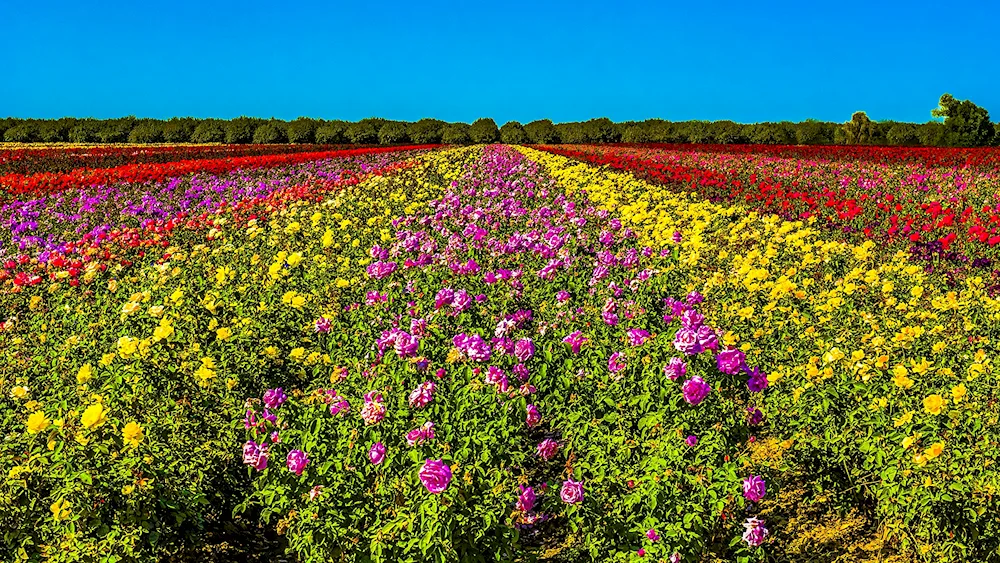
(32,160)
(886,369)
(943,207)
(19,186)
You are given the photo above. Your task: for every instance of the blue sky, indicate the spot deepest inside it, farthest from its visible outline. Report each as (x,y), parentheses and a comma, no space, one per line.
(567,61)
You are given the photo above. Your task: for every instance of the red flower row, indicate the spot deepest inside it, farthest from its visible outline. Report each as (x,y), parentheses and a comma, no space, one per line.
(52,182)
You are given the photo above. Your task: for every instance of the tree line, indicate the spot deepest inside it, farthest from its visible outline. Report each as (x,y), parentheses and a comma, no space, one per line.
(964,125)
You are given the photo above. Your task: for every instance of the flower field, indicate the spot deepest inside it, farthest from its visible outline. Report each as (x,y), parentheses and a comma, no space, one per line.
(503,353)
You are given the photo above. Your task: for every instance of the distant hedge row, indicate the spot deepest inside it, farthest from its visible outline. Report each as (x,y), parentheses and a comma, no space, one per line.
(860,130)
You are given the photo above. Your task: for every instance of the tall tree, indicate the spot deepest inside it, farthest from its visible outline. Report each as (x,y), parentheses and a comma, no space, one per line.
(859,130)
(965,123)
(484,130)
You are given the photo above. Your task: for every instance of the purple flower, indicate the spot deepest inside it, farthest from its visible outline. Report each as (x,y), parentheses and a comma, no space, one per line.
(637,336)
(548,448)
(676,369)
(694,298)
(755,532)
(730,361)
(296,461)
(533,417)
(273,398)
(686,341)
(521,371)
(422,395)
(443,297)
(461,301)
(707,338)
(524,349)
(255,455)
(676,237)
(575,341)
(695,390)
(435,476)
(757,381)
(374,411)
(420,435)
(616,363)
(754,488)
(571,492)
(323,325)
(652,535)
(526,500)
(692,319)
(562,296)
(675,558)
(755,416)
(376,453)
(691,441)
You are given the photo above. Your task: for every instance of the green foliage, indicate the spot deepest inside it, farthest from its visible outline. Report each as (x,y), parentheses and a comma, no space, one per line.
(393,133)
(332,133)
(21,133)
(241,130)
(179,130)
(302,130)
(269,133)
(484,130)
(456,134)
(361,133)
(965,123)
(209,131)
(513,134)
(812,132)
(541,132)
(860,130)
(425,131)
(146,131)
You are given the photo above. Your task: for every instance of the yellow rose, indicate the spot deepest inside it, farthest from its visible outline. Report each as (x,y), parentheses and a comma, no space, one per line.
(933,404)
(223,333)
(958,393)
(37,422)
(93,416)
(132,434)
(19,392)
(60,510)
(86,372)
(934,451)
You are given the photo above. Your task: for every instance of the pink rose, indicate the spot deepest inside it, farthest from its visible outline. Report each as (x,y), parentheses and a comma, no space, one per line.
(435,476)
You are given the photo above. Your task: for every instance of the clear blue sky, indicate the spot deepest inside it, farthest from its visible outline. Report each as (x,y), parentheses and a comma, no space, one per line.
(702,59)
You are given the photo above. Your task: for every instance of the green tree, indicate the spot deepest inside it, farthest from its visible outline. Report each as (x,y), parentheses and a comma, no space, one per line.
(426,131)
(902,134)
(965,123)
(541,132)
(24,132)
(636,133)
(146,131)
(269,133)
(85,131)
(302,130)
(393,133)
(179,130)
(209,131)
(484,130)
(115,130)
(241,129)
(512,133)
(332,133)
(601,130)
(361,133)
(456,134)
(859,130)
(813,132)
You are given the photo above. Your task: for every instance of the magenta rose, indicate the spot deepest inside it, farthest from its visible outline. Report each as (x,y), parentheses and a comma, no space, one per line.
(571,492)
(435,476)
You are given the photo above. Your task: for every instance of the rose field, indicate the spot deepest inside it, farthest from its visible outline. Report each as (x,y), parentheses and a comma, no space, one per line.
(314,353)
